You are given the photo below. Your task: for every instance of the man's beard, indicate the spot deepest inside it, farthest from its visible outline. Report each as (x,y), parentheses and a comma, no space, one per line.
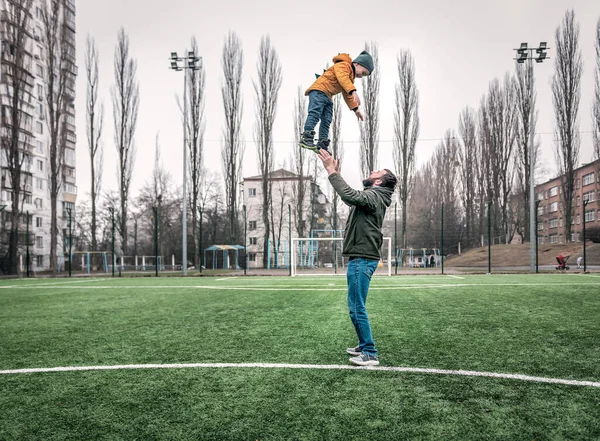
(367,183)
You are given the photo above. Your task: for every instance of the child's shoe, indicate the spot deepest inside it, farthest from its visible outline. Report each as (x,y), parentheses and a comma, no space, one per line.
(308,141)
(323,144)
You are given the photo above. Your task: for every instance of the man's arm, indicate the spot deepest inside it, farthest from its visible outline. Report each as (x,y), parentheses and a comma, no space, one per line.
(347,193)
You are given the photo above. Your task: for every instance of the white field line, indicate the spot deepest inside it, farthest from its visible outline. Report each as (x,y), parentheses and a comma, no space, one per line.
(58,282)
(295,288)
(455,277)
(225,278)
(307,366)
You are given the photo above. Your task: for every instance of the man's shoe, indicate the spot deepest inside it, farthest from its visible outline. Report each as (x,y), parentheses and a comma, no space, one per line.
(354,351)
(308,141)
(365,360)
(323,144)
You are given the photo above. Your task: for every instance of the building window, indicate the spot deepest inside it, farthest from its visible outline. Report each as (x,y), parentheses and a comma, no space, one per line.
(560,224)
(588,179)
(28,199)
(39,184)
(540,196)
(553,223)
(39,128)
(39,242)
(39,261)
(40,165)
(578,201)
(540,210)
(252,192)
(39,70)
(554,238)
(578,218)
(540,240)
(553,191)
(540,226)
(252,225)
(39,203)
(252,257)
(553,207)
(38,222)
(589,196)
(40,90)
(253,241)
(39,146)
(589,216)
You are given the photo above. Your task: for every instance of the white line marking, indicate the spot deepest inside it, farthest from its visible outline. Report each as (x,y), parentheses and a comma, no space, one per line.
(56,283)
(307,366)
(293,288)
(225,278)
(455,277)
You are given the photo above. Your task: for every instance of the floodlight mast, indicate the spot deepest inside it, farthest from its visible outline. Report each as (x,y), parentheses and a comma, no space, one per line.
(525,53)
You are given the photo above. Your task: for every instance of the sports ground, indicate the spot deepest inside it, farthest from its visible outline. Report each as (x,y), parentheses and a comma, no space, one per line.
(462,357)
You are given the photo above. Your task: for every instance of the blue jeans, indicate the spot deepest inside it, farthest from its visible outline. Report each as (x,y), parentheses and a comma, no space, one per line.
(359,275)
(320,108)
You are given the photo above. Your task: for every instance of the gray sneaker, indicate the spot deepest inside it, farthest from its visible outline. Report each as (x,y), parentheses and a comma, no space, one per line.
(354,351)
(365,360)
(308,141)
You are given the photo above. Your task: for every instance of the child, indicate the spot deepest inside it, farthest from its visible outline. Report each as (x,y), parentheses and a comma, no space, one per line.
(338,78)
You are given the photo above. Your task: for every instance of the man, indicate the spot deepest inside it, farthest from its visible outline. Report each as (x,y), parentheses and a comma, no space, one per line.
(362,245)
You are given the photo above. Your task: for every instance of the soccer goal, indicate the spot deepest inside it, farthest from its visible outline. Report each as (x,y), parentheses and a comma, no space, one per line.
(322,256)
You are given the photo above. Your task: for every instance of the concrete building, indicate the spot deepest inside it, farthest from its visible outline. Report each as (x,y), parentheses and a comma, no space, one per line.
(551,220)
(36,167)
(285,187)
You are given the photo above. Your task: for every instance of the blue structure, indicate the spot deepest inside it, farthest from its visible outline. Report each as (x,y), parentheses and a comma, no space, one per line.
(225,249)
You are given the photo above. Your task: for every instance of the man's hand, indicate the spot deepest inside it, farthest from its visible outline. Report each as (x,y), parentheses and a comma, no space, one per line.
(331,165)
(359,115)
(356,99)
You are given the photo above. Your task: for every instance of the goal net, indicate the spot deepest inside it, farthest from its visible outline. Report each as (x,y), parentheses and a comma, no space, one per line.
(322,256)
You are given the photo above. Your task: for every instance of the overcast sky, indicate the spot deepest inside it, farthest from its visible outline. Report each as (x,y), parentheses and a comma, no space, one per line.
(458,46)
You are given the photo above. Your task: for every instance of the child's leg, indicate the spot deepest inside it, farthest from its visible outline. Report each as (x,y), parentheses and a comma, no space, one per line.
(316,102)
(326,117)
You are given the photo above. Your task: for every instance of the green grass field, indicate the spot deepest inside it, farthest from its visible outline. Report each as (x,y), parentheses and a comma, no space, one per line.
(543,326)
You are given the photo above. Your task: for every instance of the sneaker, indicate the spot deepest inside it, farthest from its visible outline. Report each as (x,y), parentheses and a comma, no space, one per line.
(354,351)
(323,144)
(308,141)
(365,360)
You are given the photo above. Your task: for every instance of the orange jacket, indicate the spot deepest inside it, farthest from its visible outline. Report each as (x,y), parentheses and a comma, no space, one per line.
(338,78)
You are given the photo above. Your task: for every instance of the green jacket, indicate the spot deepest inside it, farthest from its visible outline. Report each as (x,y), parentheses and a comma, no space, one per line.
(362,236)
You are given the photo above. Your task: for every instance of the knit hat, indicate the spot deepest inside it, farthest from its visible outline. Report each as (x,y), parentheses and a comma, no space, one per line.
(365,60)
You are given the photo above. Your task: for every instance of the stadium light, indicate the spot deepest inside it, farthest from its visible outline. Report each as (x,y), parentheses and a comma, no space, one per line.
(524,53)
(191,62)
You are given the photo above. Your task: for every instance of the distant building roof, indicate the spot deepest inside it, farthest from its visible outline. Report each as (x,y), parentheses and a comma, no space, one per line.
(281,174)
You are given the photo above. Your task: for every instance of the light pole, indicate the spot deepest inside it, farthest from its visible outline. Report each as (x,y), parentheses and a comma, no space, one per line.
(523,54)
(188,61)
(584,256)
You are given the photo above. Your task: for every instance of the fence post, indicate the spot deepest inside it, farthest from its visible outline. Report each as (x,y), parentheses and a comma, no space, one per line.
(155,209)
(396,238)
(442,238)
(290,239)
(27,239)
(489,237)
(200,253)
(112,216)
(245,242)
(70,240)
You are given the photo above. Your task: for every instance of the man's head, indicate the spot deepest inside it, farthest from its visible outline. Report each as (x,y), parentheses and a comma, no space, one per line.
(363,65)
(382,178)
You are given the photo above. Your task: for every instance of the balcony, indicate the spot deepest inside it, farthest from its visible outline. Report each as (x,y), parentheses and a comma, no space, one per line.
(70,189)
(69,180)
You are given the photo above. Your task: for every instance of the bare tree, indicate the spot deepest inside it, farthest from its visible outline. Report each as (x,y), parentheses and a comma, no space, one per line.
(267,90)
(300,163)
(467,157)
(16,124)
(525,101)
(59,43)
(94,125)
(232,61)
(566,94)
(195,139)
(499,127)
(596,103)
(406,130)
(369,129)
(125,100)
